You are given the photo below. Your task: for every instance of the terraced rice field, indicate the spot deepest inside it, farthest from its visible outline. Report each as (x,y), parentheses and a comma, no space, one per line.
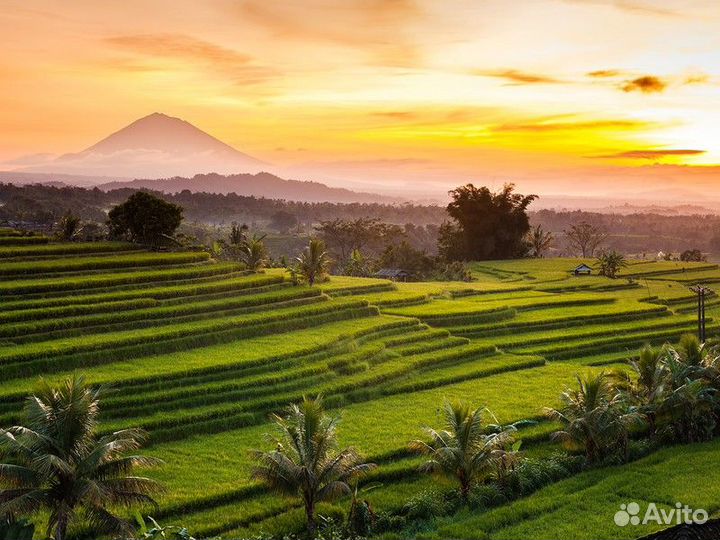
(199,353)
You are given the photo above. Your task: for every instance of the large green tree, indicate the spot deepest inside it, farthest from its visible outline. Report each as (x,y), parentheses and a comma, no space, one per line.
(485,225)
(145,219)
(57,462)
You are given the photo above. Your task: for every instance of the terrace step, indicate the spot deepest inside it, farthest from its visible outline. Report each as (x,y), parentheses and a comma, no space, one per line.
(28,289)
(155,316)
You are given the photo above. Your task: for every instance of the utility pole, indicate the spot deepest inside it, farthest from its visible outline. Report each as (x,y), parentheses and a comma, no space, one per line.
(701,291)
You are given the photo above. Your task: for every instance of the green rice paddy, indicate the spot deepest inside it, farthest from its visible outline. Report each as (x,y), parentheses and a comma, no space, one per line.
(199,353)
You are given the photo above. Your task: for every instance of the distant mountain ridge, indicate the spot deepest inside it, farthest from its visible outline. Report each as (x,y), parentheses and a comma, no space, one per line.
(170,155)
(262,184)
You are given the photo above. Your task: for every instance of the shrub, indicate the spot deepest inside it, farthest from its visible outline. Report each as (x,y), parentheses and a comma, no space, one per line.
(427,504)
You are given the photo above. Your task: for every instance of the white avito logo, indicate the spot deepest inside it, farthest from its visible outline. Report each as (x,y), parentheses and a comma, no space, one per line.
(629,514)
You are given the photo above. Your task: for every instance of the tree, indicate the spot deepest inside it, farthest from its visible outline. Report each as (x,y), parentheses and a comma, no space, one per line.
(487,225)
(539,241)
(689,407)
(404,256)
(238,233)
(313,264)
(69,227)
(253,253)
(344,236)
(646,388)
(594,419)
(357,265)
(58,462)
(283,221)
(145,219)
(463,450)
(305,463)
(610,263)
(692,255)
(585,238)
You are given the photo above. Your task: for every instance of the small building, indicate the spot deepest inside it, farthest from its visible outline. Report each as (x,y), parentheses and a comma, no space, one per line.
(396,274)
(582,270)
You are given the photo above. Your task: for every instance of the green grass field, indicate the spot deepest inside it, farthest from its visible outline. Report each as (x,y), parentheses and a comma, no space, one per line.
(199,353)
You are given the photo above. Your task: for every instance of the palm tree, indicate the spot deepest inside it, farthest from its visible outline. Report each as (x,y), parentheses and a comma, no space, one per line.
(645,390)
(690,405)
(314,262)
(59,463)
(69,227)
(593,418)
(253,253)
(539,240)
(464,450)
(610,263)
(304,463)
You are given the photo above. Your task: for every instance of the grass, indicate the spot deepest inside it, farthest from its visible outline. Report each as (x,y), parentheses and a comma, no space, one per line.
(199,353)
(75,284)
(68,248)
(74,264)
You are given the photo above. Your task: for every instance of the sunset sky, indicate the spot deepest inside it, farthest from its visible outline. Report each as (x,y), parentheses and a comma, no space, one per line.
(401,96)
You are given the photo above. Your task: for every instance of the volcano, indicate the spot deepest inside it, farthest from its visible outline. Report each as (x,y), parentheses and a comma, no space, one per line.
(155,146)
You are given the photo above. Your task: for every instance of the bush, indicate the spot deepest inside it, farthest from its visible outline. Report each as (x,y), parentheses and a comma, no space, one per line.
(486,496)
(427,504)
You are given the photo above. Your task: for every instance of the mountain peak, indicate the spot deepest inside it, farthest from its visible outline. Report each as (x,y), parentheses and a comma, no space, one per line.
(156,145)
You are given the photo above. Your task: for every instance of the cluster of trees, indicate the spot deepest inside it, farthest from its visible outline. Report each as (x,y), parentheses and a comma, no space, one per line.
(58,463)
(481,224)
(670,394)
(362,246)
(636,232)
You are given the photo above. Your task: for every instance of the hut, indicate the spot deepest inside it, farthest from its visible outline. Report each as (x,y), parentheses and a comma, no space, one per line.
(395,274)
(582,270)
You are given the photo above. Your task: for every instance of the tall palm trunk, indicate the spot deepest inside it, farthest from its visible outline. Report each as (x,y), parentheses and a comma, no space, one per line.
(310,514)
(61,525)
(464,487)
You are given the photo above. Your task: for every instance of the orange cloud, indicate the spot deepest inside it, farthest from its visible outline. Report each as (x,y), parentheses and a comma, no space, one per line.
(647,84)
(604,73)
(519,77)
(378,27)
(653,154)
(700,78)
(544,126)
(238,66)
(633,6)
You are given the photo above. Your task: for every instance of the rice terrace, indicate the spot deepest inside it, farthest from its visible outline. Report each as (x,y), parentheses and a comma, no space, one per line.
(198,353)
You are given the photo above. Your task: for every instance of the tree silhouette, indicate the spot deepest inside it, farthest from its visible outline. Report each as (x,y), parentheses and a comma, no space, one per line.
(486,225)
(585,238)
(539,241)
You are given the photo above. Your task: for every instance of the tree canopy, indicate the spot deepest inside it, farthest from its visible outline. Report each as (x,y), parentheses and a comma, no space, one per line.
(145,219)
(486,225)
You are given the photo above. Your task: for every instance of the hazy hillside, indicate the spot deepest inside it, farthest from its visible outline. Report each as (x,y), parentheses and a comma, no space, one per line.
(258,185)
